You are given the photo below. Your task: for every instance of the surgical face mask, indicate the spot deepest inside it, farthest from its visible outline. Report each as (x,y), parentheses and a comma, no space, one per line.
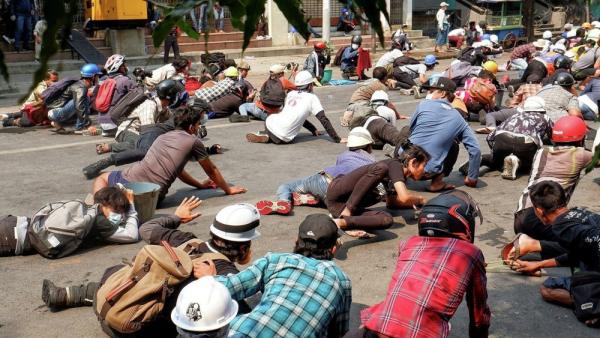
(203,120)
(354,46)
(429,96)
(115,218)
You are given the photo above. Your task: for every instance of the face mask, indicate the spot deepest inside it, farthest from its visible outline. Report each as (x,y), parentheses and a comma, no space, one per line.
(203,120)
(115,218)
(429,96)
(354,46)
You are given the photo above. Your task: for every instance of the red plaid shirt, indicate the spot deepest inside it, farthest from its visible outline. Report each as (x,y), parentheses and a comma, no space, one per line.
(523,52)
(430,281)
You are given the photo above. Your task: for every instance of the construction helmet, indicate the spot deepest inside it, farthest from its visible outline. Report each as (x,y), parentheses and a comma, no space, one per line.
(380,95)
(359,137)
(89,70)
(231,72)
(564,80)
(320,45)
(586,25)
(534,103)
(491,66)
(547,35)
(204,305)
(569,129)
(303,78)
(430,60)
(494,38)
(169,90)
(237,223)
(562,62)
(113,63)
(357,39)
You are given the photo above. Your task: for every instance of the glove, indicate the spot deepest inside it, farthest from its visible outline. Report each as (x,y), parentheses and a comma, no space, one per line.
(13,18)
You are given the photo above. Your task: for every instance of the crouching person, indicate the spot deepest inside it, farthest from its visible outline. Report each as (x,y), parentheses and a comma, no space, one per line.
(304,294)
(112,218)
(442,254)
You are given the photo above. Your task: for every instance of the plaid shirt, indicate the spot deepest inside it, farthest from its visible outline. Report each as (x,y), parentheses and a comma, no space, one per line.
(523,51)
(525,91)
(431,278)
(217,91)
(301,297)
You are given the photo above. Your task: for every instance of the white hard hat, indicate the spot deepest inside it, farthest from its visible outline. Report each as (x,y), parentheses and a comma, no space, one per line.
(559,48)
(494,38)
(359,137)
(568,26)
(113,63)
(534,103)
(444,4)
(486,43)
(277,68)
(303,78)
(204,305)
(570,54)
(547,35)
(596,24)
(380,95)
(237,223)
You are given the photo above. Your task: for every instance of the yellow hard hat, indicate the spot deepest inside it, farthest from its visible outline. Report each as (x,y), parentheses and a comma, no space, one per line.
(491,66)
(231,72)
(586,25)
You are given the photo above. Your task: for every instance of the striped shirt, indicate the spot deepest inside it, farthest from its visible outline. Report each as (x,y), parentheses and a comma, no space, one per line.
(301,297)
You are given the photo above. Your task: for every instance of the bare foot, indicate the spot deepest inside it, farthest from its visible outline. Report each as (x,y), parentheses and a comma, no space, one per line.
(359,234)
(526,245)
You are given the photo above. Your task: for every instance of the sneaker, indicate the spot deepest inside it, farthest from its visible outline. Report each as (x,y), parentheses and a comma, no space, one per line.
(93,170)
(464,169)
(304,199)
(417,92)
(54,297)
(235,118)
(266,207)
(406,92)
(257,138)
(511,165)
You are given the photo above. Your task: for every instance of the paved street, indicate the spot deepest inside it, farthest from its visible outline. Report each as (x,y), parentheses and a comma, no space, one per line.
(38,167)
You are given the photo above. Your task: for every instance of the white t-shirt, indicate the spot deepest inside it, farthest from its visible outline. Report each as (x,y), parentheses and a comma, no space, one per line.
(298,106)
(414,70)
(457,32)
(383,112)
(165,72)
(388,58)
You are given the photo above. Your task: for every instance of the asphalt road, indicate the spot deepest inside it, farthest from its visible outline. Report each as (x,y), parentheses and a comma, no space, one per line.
(38,167)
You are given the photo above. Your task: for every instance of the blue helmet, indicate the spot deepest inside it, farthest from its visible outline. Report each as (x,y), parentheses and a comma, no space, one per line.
(89,70)
(485,36)
(430,60)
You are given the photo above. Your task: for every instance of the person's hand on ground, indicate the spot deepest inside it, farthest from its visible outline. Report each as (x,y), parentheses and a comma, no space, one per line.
(208,184)
(316,133)
(470,182)
(204,268)
(185,210)
(525,266)
(236,190)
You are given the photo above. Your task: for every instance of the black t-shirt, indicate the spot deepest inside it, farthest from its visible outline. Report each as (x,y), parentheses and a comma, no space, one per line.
(578,231)
(226,105)
(535,71)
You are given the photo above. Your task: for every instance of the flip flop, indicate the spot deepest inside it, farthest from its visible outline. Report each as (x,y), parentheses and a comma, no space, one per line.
(508,247)
(266,207)
(446,187)
(304,199)
(360,234)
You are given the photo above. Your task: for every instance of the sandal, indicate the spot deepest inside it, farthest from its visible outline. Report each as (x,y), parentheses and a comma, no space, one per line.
(360,234)
(215,149)
(446,187)
(514,244)
(102,148)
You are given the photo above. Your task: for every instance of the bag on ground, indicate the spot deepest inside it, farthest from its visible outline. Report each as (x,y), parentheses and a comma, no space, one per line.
(585,292)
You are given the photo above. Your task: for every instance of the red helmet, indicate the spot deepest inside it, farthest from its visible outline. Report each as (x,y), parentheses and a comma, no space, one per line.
(320,45)
(569,129)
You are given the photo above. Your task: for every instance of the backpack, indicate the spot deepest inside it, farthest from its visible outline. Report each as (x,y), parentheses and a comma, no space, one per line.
(272,93)
(209,58)
(467,55)
(59,228)
(127,104)
(405,60)
(53,92)
(105,94)
(360,114)
(585,292)
(132,297)
(450,213)
(337,61)
(459,71)
(190,247)
(483,92)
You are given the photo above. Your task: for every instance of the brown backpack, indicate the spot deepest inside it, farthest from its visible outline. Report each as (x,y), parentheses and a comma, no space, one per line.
(483,92)
(191,248)
(133,296)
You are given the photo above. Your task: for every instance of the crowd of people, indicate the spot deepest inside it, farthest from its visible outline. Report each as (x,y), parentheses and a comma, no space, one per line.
(158,121)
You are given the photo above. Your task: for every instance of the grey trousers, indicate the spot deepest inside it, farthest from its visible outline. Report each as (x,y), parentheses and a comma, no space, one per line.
(496,117)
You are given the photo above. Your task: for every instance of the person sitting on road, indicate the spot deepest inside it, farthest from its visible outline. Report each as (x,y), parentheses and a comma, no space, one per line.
(345,21)
(349,196)
(224,87)
(535,72)
(562,64)
(271,97)
(406,75)
(515,142)
(560,98)
(456,37)
(311,190)
(74,101)
(386,61)
(282,128)
(477,54)
(438,128)
(349,59)
(479,102)
(112,218)
(33,111)
(231,235)
(589,98)
(588,63)
(520,56)
(575,230)
(305,288)
(178,66)
(442,254)
(317,60)
(167,157)
(153,110)
(230,103)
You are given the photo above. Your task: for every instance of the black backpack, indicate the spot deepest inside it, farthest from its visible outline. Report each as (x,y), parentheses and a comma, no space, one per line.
(405,60)
(53,92)
(218,58)
(272,93)
(450,214)
(585,291)
(127,104)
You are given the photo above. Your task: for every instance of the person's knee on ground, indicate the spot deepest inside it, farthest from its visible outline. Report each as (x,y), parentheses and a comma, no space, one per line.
(556,296)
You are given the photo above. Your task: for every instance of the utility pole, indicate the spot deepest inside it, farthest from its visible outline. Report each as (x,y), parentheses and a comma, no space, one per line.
(528,18)
(326,20)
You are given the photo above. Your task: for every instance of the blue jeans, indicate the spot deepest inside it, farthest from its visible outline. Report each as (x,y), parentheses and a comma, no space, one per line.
(252,109)
(200,23)
(315,185)
(589,108)
(23,30)
(65,114)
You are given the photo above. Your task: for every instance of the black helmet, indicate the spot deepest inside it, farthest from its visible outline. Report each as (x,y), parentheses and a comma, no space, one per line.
(450,214)
(564,80)
(357,39)
(169,89)
(562,62)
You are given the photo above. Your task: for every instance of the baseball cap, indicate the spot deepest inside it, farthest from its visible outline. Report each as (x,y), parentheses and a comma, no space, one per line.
(243,65)
(441,83)
(319,228)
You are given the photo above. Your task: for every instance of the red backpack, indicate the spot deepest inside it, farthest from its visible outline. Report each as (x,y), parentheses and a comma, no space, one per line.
(105,95)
